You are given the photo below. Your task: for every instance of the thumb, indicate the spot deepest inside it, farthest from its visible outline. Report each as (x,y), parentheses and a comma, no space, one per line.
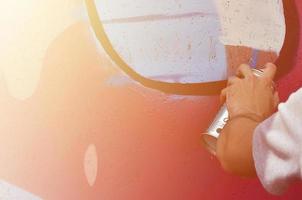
(269,70)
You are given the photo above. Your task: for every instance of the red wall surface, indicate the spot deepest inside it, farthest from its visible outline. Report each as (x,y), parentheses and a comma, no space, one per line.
(147,143)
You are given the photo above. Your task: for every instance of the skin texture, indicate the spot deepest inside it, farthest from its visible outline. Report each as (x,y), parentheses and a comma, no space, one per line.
(246,111)
(234,147)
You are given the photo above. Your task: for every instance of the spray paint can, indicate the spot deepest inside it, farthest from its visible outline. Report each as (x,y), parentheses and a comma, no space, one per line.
(209,138)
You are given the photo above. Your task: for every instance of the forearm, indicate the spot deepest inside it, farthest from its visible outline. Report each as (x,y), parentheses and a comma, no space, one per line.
(234,147)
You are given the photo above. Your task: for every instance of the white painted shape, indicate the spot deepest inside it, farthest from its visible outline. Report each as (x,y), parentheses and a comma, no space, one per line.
(258,24)
(27,29)
(182,50)
(91,164)
(11,192)
(156,45)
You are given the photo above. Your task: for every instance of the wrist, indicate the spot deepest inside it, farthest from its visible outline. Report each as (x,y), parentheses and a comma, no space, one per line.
(234,146)
(251,116)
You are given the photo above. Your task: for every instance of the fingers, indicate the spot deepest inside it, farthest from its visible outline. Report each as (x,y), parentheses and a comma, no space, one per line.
(223,95)
(269,70)
(244,71)
(232,80)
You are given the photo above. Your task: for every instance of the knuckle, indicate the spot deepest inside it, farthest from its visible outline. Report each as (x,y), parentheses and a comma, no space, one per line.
(251,78)
(266,81)
(271,65)
(231,79)
(243,65)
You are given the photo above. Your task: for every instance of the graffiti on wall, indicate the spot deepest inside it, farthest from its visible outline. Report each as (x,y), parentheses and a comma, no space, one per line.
(107,99)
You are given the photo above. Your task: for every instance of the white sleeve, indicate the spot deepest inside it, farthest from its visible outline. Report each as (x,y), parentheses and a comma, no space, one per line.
(277,146)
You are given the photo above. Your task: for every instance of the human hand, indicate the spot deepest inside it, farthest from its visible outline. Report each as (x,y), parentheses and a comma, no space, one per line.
(250,95)
(250,100)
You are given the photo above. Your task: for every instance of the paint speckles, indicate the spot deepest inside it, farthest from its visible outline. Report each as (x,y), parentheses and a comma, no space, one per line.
(91,164)
(212,52)
(246,23)
(189,46)
(165,40)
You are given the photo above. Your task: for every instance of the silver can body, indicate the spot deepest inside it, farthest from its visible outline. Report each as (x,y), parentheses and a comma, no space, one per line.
(209,138)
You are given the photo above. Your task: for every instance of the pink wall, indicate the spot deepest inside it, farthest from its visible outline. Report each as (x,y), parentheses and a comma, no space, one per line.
(147,142)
